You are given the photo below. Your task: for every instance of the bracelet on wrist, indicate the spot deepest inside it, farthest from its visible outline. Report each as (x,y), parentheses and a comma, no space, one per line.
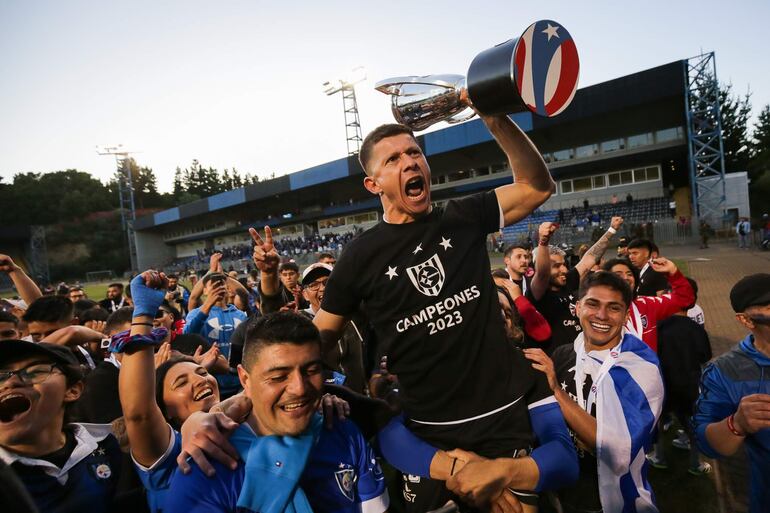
(732,428)
(543,242)
(612,230)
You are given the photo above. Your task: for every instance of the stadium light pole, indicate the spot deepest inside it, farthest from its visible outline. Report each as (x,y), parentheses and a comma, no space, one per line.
(346,86)
(126,195)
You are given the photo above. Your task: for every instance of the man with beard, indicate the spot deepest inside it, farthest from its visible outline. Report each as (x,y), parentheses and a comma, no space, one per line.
(114,299)
(517,258)
(422,275)
(554,286)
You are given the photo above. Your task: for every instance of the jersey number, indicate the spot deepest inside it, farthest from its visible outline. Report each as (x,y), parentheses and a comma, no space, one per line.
(442,323)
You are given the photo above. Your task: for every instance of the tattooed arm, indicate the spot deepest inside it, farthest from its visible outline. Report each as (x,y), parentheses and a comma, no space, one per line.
(594,254)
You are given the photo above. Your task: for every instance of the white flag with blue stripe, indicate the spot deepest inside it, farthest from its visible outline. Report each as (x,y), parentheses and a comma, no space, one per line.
(629,400)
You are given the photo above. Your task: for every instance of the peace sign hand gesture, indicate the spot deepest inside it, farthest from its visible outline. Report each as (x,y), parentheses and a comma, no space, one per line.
(265,256)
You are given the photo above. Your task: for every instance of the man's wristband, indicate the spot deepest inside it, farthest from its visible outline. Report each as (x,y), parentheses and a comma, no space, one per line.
(542,242)
(612,230)
(731,426)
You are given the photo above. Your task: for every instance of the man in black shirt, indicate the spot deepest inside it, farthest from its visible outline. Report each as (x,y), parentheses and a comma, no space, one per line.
(554,287)
(423,276)
(608,384)
(517,258)
(114,299)
(651,282)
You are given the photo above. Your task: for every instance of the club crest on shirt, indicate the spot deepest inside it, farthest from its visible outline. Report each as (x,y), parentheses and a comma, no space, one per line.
(644,321)
(346,478)
(102,471)
(428,277)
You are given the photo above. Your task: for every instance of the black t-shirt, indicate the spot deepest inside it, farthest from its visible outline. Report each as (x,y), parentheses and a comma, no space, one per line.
(583,495)
(60,456)
(428,291)
(558,308)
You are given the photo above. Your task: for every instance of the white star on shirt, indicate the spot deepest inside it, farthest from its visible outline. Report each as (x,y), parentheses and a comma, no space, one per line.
(445,243)
(563,386)
(551,31)
(417,249)
(391,273)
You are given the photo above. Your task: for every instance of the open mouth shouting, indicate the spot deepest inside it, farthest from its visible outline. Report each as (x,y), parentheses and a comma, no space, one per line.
(13,406)
(415,189)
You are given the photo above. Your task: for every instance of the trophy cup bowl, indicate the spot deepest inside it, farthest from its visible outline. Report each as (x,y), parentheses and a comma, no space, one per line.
(537,71)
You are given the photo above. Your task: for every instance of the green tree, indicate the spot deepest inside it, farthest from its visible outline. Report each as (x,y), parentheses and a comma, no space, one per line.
(735,112)
(759,167)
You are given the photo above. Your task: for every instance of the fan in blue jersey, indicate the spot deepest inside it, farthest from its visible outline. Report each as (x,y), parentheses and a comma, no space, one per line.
(154,413)
(66,468)
(288,463)
(216,321)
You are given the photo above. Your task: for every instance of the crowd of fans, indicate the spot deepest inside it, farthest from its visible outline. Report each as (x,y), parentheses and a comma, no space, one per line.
(287,246)
(541,386)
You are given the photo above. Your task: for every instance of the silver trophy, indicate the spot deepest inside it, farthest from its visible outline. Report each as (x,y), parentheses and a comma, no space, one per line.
(537,71)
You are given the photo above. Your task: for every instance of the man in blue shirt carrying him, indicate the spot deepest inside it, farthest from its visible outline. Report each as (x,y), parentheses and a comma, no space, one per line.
(288,461)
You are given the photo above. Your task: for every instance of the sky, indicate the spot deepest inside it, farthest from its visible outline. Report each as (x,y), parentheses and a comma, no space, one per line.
(238,84)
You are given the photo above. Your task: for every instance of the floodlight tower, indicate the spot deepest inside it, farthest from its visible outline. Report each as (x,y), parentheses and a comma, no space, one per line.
(126,195)
(347,87)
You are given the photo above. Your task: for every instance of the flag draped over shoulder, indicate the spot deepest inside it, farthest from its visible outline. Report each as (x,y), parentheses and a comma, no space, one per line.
(628,391)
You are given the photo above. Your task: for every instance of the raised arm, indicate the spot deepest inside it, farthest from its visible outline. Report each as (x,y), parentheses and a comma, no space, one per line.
(682,295)
(532,183)
(330,326)
(148,432)
(266,259)
(23,283)
(594,254)
(542,277)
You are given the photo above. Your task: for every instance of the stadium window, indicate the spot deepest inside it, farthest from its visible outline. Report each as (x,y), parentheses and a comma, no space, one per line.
(612,145)
(459,175)
(589,150)
(668,134)
(653,173)
(640,175)
(499,168)
(614,179)
(566,186)
(635,141)
(598,182)
(562,155)
(482,171)
(626,177)
(581,184)
(548,158)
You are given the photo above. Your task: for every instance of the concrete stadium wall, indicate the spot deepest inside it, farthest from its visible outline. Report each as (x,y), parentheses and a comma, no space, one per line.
(596,197)
(151,250)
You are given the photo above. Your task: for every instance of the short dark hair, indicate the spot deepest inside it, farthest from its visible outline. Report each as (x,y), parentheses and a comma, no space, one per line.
(377,135)
(289,266)
(188,343)
(609,264)
(642,243)
(81,306)
(517,245)
(321,256)
(118,318)
(172,276)
(171,308)
(277,328)
(605,279)
(75,288)
(117,285)
(50,309)
(500,273)
(694,285)
(96,313)
(214,277)
(8,317)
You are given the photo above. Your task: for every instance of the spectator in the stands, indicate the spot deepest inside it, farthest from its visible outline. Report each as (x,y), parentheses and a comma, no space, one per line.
(327,258)
(629,199)
(114,299)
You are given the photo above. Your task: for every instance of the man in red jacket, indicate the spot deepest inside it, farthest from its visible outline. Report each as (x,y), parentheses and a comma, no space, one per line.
(646,311)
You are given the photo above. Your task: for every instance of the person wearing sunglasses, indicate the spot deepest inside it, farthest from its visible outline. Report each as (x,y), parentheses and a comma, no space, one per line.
(66,467)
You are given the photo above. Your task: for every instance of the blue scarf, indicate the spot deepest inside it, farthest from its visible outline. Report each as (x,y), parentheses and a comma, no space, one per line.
(274,465)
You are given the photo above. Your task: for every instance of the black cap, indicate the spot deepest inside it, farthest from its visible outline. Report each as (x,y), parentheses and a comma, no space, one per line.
(623,242)
(753,290)
(18,349)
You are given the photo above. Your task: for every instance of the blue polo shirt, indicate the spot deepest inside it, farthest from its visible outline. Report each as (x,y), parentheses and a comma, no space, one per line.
(86,482)
(156,477)
(341,476)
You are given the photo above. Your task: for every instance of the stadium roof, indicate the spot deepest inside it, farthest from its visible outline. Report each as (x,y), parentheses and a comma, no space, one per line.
(652,85)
